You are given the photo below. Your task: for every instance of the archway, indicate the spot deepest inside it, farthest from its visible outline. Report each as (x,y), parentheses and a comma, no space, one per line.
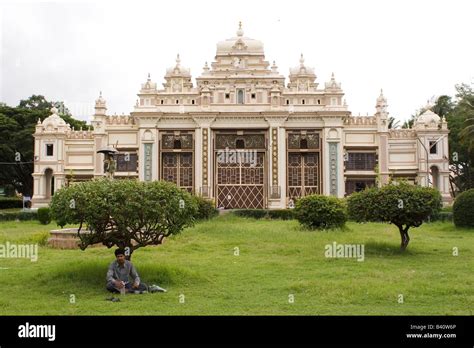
(434,176)
(49,183)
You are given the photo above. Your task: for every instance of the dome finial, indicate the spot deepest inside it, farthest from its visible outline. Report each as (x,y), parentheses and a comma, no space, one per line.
(302,60)
(149,78)
(240,31)
(178,60)
(100,94)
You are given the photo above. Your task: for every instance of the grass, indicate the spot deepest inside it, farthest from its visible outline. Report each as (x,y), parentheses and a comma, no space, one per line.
(276,259)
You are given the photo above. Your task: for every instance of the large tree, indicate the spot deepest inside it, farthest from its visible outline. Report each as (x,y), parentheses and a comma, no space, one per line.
(17,125)
(126,213)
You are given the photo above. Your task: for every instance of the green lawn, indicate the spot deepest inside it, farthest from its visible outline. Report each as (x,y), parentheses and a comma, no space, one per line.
(277,259)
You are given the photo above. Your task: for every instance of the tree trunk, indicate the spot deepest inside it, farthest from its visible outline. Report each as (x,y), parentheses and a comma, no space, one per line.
(404,237)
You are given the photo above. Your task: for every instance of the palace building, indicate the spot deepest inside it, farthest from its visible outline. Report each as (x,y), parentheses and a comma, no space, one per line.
(244,137)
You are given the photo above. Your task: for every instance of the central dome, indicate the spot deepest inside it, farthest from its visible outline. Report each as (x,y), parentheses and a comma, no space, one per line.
(239,44)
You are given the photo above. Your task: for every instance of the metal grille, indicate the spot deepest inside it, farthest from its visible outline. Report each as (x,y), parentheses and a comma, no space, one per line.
(303,174)
(241,185)
(178,168)
(361,161)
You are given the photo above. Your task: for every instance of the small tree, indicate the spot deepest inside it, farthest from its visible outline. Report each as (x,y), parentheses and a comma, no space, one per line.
(125,213)
(401,204)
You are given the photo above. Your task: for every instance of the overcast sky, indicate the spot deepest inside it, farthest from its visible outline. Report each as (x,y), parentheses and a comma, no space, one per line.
(413,49)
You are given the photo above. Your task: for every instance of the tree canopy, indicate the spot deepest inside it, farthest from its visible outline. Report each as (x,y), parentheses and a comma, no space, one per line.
(401,204)
(126,213)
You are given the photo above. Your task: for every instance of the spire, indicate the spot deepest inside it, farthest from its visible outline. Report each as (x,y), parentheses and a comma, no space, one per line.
(100,105)
(206,68)
(301,60)
(240,31)
(148,79)
(274,67)
(178,60)
(381,105)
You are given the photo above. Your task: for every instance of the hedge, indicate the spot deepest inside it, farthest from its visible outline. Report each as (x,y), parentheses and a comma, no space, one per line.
(274,214)
(21,215)
(10,202)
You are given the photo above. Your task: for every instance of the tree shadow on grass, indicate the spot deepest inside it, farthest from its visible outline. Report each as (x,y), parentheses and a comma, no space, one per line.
(92,274)
(373,248)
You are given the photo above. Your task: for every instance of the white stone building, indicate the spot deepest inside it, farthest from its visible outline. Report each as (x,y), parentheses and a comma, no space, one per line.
(244,137)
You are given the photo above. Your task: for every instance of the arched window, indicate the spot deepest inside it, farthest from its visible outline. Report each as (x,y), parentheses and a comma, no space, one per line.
(240,96)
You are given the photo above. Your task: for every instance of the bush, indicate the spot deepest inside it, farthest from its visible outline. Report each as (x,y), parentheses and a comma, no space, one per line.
(282,214)
(320,212)
(401,204)
(44,215)
(463,209)
(126,213)
(9,190)
(18,215)
(10,202)
(205,208)
(251,213)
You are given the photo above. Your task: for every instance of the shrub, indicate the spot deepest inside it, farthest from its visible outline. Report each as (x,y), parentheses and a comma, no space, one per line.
(18,215)
(9,190)
(401,204)
(44,215)
(205,208)
(282,214)
(126,213)
(463,209)
(251,213)
(10,202)
(320,212)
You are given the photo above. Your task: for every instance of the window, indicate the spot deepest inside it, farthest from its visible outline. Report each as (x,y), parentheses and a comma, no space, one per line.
(287,102)
(357,185)
(177,101)
(319,101)
(49,149)
(127,162)
(240,96)
(227,96)
(433,147)
(192,101)
(361,161)
(161,101)
(303,101)
(253,95)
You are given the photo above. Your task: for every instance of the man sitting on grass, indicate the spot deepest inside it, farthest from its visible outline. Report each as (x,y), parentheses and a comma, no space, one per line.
(120,273)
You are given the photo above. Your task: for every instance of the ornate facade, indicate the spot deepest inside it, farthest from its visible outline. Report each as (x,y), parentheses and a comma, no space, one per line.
(243,137)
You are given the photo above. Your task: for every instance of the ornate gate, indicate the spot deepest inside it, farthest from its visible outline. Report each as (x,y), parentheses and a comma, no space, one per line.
(177,158)
(303,166)
(240,174)
(178,168)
